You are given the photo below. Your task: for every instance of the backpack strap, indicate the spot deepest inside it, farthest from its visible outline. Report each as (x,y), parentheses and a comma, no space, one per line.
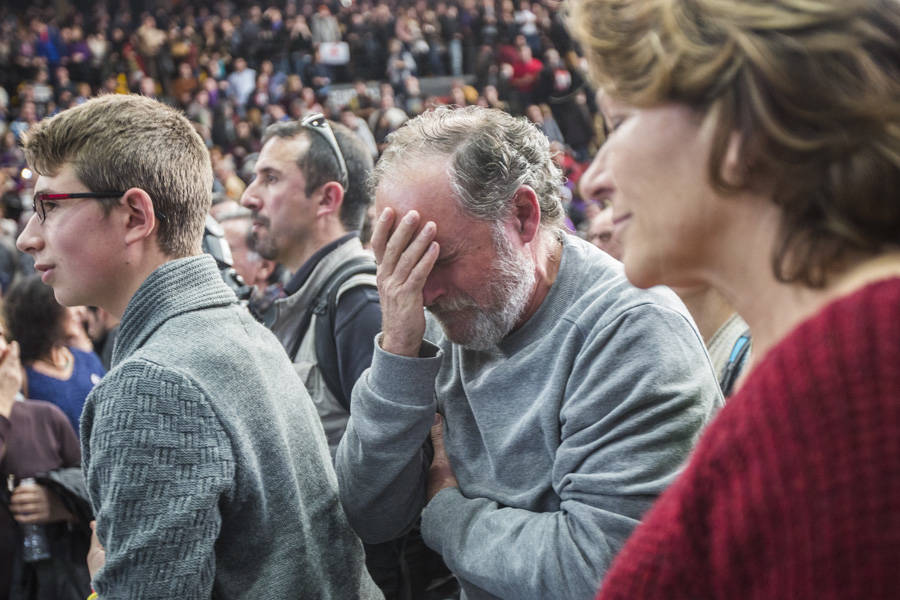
(354,273)
(736,359)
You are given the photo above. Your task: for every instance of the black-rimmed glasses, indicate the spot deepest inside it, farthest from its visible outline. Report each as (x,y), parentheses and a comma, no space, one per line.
(42,198)
(318,123)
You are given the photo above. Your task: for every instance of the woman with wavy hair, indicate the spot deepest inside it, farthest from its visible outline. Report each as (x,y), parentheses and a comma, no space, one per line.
(755,148)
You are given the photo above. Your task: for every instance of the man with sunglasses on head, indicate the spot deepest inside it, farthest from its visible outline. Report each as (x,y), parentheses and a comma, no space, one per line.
(309,198)
(204,460)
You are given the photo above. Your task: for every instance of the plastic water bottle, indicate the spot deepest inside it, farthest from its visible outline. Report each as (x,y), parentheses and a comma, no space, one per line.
(35,545)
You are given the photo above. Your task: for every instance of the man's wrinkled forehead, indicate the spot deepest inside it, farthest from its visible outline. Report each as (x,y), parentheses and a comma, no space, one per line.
(431,203)
(427,177)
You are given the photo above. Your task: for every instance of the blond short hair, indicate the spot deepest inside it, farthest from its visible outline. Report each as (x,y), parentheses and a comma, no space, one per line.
(812,87)
(116,142)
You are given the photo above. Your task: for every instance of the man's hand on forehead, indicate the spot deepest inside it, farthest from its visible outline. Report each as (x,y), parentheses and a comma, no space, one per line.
(395,220)
(405,252)
(396,237)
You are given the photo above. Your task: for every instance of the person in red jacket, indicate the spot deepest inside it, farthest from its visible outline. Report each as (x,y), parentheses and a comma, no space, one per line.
(524,78)
(755,148)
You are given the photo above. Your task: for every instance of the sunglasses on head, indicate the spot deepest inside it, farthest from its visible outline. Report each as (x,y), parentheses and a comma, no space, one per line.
(318,123)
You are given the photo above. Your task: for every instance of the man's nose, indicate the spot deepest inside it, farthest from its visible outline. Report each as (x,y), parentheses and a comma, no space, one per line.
(30,241)
(249,198)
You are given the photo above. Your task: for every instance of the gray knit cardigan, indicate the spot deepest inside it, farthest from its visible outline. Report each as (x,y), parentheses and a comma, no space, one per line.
(205,460)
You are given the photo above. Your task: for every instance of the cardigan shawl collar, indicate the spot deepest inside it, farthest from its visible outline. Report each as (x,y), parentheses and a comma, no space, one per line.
(176,287)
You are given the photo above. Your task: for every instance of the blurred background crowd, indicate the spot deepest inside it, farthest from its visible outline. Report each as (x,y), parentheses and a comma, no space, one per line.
(235,67)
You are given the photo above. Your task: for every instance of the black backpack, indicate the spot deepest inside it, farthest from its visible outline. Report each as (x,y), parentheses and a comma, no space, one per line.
(324,307)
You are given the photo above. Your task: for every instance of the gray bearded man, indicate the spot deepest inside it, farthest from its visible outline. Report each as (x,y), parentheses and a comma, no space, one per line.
(566,399)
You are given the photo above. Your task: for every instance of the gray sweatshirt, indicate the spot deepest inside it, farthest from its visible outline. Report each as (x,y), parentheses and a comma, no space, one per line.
(561,437)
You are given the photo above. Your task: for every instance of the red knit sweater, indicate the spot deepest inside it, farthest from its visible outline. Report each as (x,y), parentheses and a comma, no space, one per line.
(794,489)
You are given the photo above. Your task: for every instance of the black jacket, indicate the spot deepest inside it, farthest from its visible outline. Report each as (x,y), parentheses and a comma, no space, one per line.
(65,575)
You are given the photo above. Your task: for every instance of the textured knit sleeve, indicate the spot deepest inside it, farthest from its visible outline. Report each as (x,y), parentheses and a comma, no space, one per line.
(157,461)
(639,392)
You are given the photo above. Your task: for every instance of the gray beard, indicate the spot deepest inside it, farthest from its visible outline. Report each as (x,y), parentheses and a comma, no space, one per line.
(512,283)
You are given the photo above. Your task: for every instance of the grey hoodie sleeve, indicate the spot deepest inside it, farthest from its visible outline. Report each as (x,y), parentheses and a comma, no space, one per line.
(383,458)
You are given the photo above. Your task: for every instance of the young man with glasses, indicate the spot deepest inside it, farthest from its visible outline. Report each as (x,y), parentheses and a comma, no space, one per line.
(206,468)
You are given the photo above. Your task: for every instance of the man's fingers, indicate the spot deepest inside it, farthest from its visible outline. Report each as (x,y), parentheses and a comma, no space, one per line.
(29,510)
(423,268)
(404,231)
(406,250)
(31,517)
(401,251)
(440,474)
(437,437)
(22,504)
(96,556)
(415,252)
(25,495)
(27,499)
(380,232)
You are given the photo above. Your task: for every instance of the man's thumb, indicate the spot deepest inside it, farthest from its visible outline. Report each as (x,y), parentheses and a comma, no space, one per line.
(437,434)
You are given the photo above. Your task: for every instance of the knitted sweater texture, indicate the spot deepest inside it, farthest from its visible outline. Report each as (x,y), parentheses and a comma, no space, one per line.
(205,460)
(794,489)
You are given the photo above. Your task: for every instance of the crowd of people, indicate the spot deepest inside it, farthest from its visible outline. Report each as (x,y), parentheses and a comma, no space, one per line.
(235,67)
(353,341)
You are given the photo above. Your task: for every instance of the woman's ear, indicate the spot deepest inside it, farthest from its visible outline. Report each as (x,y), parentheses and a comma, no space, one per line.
(734,170)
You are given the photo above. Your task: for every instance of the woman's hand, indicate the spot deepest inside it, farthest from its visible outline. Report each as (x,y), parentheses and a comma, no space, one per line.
(10,376)
(37,504)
